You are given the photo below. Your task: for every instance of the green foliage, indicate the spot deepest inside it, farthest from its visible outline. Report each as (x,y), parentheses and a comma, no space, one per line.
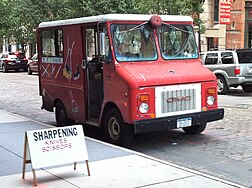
(172,7)
(80,8)
(20,18)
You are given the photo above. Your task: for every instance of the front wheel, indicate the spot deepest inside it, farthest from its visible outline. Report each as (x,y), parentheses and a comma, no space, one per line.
(116,130)
(61,115)
(195,129)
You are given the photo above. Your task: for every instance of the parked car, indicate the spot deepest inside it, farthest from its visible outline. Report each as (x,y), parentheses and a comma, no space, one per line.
(33,64)
(232,68)
(13,61)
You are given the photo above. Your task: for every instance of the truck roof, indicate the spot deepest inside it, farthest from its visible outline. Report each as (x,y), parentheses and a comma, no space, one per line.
(114,17)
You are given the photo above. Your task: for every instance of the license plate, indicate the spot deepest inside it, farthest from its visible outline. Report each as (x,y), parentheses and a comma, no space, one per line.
(185,122)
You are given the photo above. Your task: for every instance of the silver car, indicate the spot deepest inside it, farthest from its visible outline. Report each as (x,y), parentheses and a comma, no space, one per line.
(231,67)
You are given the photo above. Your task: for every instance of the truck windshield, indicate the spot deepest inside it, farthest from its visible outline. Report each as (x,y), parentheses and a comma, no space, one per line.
(133,42)
(177,41)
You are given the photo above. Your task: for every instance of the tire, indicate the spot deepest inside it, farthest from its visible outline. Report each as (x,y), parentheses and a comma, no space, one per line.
(247,88)
(116,130)
(4,68)
(61,115)
(29,71)
(222,85)
(194,129)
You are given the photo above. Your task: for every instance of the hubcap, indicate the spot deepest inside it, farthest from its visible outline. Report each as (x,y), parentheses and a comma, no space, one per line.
(220,84)
(114,128)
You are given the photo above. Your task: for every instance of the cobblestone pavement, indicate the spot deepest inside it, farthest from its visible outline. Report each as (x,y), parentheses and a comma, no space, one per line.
(236,131)
(224,149)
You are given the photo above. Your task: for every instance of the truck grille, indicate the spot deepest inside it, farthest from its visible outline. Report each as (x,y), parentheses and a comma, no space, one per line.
(178,99)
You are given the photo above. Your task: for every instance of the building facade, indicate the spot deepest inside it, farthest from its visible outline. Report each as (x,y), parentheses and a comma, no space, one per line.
(236,34)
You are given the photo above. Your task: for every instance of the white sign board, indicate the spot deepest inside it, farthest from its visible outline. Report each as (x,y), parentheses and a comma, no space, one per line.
(56,146)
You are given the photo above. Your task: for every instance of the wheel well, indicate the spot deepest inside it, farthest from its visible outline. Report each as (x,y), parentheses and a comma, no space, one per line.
(223,76)
(56,101)
(106,109)
(219,75)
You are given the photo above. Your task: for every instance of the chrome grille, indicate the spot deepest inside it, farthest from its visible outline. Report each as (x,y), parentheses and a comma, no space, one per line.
(178,100)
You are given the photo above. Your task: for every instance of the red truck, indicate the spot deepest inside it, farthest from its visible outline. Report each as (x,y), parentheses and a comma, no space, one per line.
(127,74)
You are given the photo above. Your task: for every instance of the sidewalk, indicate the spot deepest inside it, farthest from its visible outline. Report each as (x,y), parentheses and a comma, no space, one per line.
(110,166)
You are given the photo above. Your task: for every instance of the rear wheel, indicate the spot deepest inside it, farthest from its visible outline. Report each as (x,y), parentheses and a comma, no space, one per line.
(247,88)
(4,68)
(222,85)
(195,129)
(61,115)
(117,131)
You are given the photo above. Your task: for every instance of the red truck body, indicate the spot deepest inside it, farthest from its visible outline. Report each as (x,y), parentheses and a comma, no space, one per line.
(159,85)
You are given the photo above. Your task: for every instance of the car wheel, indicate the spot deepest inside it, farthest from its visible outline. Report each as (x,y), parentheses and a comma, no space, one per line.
(247,88)
(195,129)
(61,115)
(4,68)
(222,85)
(29,71)
(116,130)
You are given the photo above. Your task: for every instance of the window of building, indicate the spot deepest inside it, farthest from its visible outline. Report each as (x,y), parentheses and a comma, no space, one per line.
(216,11)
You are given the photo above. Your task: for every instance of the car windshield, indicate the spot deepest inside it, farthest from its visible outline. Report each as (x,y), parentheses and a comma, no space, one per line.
(133,42)
(177,41)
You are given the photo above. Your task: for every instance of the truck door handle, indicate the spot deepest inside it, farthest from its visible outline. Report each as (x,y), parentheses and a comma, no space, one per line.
(84,64)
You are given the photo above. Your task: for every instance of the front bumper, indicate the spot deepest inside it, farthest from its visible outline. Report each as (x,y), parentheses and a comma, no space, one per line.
(166,123)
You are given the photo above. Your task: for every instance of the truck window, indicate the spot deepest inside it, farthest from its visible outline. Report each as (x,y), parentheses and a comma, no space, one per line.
(91,43)
(52,44)
(211,59)
(177,41)
(227,58)
(133,42)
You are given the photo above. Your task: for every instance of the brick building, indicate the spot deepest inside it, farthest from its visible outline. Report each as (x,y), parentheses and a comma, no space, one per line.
(236,34)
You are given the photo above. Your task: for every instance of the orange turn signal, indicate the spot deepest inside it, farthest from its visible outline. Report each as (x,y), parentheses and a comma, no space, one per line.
(144,98)
(211,91)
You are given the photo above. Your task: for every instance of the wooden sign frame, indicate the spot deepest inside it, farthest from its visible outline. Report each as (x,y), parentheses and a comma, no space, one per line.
(27,160)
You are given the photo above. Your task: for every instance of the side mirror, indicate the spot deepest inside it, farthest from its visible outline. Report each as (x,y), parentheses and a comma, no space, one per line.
(102,44)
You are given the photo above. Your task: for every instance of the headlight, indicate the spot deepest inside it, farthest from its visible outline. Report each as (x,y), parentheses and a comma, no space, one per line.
(143,108)
(210,100)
